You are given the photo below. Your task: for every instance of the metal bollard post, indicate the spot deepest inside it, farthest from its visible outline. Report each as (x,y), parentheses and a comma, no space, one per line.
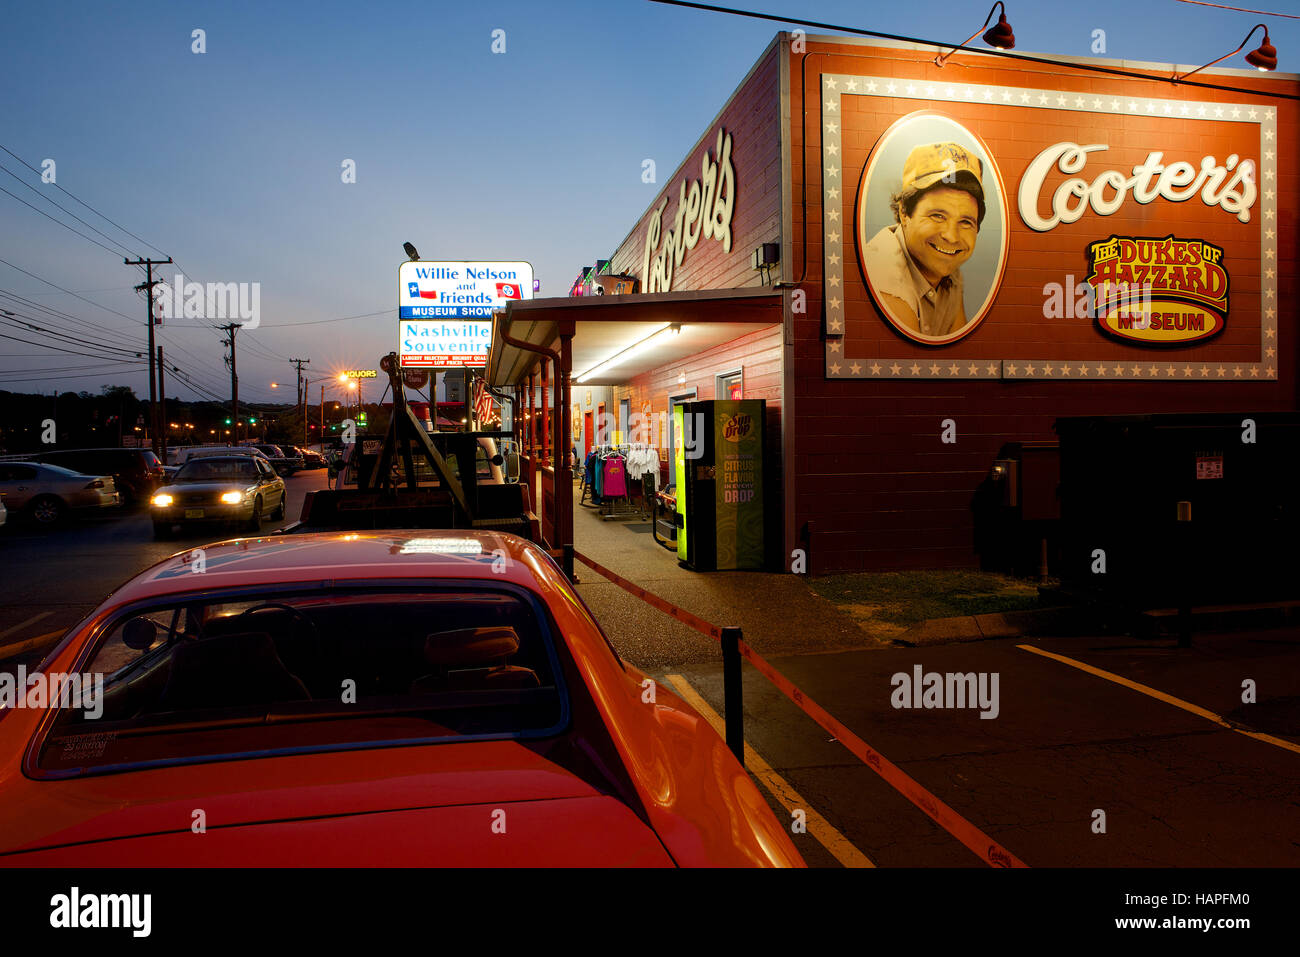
(1185,599)
(732,703)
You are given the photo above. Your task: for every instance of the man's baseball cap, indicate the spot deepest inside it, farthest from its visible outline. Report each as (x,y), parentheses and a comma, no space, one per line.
(930,163)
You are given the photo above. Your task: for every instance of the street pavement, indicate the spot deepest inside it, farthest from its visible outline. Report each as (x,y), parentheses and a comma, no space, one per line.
(1126,765)
(53,578)
(1105,751)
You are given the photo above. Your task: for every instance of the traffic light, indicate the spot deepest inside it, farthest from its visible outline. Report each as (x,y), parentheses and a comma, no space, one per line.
(227,421)
(252,421)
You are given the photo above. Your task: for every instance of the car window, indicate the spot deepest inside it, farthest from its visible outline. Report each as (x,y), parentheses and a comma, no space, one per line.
(16,473)
(221,676)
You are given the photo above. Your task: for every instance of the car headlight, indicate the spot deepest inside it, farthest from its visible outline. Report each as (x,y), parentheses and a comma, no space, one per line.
(162,501)
(232,498)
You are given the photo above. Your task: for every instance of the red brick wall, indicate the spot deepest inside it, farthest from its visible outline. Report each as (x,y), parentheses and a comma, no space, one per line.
(753,120)
(869,470)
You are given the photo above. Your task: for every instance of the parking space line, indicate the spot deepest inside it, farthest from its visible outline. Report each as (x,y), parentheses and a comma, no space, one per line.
(27,644)
(23,624)
(1167,699)
(840,847)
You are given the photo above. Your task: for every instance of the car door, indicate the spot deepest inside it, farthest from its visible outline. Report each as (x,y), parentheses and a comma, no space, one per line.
(18,482)
(271,482)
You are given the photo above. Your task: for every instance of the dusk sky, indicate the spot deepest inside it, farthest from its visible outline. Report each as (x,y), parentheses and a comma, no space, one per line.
(230,161)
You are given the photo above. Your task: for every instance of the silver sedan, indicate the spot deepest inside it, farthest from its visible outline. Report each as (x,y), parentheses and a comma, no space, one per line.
(46,494)
(231,488)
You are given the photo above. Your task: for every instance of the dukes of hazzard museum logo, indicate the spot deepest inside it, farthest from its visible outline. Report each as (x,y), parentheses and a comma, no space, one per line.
(1161,292)
(737,427)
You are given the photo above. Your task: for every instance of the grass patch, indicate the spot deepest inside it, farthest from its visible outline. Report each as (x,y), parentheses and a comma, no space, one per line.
(888,603)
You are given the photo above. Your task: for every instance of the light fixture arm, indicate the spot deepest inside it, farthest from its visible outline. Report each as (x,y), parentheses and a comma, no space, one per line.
(943,58)
(1259,26)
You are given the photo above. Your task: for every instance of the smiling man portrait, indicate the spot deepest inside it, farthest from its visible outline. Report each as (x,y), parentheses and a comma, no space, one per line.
(914,266)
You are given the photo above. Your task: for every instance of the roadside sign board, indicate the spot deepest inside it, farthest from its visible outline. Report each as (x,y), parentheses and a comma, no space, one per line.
(445,309)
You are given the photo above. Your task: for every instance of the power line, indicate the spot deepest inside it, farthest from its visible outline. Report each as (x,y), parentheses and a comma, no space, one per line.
(58,206)
(83,202)
(115,252)
(68,291)
(1050,61)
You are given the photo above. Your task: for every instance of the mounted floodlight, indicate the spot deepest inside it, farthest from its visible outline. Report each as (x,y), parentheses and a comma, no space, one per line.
(1263,59)
(999,36)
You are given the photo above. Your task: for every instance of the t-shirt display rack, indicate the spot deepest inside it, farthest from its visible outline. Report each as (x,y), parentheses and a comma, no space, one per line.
(610,475)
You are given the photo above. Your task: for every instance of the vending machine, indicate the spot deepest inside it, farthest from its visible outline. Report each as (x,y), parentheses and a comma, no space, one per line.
(718,467)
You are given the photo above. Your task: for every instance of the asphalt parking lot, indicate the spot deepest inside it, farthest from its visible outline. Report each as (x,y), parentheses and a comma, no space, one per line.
(1097,751)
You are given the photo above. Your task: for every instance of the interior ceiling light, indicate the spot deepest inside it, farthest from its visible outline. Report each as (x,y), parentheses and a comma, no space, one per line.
(663,332)
(999,36)
(1263,59)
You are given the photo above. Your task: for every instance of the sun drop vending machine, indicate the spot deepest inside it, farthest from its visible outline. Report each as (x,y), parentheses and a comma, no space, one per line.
(718,462)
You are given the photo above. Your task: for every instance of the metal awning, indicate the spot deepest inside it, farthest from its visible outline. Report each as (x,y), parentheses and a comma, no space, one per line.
(640,332)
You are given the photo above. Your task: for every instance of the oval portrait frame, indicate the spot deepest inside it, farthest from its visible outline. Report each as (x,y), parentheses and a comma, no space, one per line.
(868,171)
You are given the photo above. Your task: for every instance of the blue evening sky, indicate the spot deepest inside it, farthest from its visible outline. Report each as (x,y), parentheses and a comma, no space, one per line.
(230,161)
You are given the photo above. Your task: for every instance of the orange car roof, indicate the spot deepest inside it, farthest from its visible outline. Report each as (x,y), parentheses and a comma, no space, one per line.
(321,556)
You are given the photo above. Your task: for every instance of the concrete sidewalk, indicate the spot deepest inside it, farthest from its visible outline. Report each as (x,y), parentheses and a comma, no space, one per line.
(779,614)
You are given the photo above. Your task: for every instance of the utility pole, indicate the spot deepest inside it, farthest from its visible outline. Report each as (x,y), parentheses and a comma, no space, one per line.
(162,410)
(147,286)
(232,328)
(302,395)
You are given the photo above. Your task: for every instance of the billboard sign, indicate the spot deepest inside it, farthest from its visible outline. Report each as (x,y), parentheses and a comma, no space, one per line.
(460,290)
(445,309)
(982,231)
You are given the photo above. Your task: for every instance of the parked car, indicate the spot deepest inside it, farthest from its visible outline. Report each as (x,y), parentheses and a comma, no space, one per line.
(286,462)
(137,473)
(47,494)
(311,459)
(219,488)
(183,455)
(4,512)
(489,722)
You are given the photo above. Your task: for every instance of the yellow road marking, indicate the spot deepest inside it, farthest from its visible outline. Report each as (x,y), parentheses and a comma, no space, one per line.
(831,839)
(23,624)
(1167,699)
(27,644)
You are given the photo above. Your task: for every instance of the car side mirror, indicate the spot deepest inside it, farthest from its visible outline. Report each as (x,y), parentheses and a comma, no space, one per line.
(139,633)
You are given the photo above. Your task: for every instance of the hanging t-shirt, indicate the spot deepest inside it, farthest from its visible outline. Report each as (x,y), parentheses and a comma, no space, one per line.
(615,481)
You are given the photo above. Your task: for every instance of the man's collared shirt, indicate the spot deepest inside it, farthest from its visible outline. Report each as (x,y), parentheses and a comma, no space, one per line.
(935,310)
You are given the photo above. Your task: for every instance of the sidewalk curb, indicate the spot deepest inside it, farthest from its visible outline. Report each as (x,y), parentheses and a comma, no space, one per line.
(1063,619)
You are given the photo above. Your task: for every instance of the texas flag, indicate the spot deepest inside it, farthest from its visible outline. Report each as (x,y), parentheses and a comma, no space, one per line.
(508,290)
(413,290)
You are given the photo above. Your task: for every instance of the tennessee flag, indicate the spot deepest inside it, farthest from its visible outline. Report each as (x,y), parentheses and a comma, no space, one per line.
(508,290)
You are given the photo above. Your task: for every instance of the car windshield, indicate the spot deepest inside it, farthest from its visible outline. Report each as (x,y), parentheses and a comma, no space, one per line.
(217,470)
(215,676)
